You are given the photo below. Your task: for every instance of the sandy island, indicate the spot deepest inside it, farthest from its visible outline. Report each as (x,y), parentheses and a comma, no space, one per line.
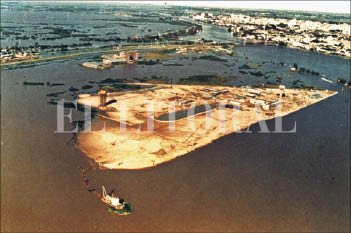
(147,139)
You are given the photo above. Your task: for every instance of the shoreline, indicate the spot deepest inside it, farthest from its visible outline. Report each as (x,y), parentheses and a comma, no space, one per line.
(111,51)
(102,51)
(101,167)
(261,43)
(137,148)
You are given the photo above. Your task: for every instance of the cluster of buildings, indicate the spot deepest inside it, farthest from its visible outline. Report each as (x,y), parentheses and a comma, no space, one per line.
(168,35)
(195,49)
(11,55)
(123,57)
(128,57)
(329,38)
(200,49)
(266,98)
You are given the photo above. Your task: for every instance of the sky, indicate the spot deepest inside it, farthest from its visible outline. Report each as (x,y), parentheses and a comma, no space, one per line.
(321,6)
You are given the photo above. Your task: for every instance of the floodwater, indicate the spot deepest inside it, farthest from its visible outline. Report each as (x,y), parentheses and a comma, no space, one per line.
(45,23)
(241,182)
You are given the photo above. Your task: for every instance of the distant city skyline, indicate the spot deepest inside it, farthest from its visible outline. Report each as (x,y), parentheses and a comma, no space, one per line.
(317,6)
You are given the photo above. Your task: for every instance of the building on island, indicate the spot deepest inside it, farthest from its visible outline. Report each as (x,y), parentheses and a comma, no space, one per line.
(123,57)
(102,98)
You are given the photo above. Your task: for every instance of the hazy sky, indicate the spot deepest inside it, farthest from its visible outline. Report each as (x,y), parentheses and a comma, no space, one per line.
(322,6)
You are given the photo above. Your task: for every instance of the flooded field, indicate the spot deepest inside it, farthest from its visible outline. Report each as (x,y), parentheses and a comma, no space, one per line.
(69,23)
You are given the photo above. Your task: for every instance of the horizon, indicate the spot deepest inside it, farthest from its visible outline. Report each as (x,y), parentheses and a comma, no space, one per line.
(314,6)
(336,7)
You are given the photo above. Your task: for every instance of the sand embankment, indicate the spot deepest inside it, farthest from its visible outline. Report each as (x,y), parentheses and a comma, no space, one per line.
(137,146)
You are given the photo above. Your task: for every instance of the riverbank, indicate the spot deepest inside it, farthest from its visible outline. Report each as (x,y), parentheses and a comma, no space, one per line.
(147,48)
(139,141)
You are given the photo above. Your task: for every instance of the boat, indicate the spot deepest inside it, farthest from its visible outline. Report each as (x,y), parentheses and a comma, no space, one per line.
(116,205)
(327,80)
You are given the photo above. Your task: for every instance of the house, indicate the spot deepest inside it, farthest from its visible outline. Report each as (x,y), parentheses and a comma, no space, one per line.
(220,92)
(257,101)
(254,91)
(123,57)
(250,95)
(233,104)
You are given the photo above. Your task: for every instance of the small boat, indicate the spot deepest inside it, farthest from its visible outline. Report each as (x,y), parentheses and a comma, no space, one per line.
(327,80)
(117,205)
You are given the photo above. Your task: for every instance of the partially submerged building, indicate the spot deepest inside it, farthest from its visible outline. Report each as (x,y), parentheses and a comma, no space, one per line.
(93,65)
(123,57)
(97,65)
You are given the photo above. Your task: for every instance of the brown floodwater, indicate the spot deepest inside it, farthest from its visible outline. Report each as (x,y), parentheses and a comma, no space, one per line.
(239,183)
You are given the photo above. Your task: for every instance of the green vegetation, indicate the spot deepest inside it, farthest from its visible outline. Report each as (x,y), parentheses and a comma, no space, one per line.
(165,51)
